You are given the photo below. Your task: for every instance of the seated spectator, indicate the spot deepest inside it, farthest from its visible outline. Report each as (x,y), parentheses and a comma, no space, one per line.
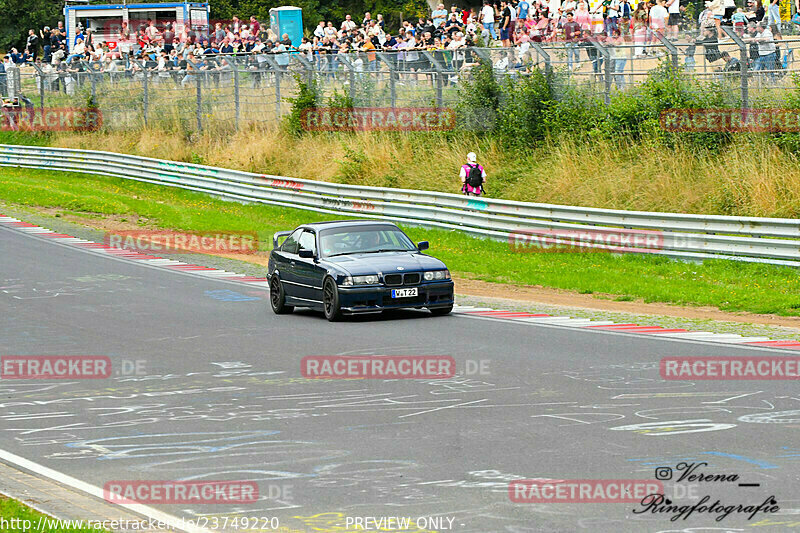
(731,63)
(208,49)
(57,56)
(78,51)
(93,53)
(453,25)
(191,75)
(109,65)
(282,57)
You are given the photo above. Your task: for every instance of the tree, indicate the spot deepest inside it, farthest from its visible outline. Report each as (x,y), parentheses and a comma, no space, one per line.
(315,10)
(19,16)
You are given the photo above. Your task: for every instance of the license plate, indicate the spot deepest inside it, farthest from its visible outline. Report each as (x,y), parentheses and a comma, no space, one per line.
(404,293)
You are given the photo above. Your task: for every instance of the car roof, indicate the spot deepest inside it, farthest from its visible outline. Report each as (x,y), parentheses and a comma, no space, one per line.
(345,223)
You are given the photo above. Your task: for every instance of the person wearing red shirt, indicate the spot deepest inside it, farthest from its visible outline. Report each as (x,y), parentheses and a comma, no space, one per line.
(465,15)
(255,27)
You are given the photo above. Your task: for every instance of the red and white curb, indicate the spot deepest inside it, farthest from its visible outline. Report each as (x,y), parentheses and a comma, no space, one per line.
(586,323)
(477,312)
(152,260)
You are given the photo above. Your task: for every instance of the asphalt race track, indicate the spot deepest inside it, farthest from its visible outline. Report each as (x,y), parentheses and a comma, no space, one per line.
(219,396)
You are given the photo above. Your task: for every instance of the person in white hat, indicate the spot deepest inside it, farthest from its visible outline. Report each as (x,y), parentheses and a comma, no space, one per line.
(473,176)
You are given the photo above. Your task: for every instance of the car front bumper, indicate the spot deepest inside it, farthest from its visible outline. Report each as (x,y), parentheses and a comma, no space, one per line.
(377,298)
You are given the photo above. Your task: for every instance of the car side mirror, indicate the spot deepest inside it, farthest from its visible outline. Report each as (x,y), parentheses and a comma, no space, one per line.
(305,254)
(423,245)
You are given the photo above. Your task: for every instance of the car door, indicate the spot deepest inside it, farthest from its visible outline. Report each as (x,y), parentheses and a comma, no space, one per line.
(286,263)
(309,272)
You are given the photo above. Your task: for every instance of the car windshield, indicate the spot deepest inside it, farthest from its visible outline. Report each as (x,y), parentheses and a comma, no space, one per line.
(364,239)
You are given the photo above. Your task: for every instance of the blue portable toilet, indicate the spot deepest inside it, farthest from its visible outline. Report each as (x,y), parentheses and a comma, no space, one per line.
(289,20)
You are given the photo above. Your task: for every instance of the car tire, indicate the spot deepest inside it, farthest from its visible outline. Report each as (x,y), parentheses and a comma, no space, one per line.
(277,298)
(330,300)
(441,311)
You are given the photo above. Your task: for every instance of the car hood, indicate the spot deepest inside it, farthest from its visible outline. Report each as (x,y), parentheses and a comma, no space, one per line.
(386,263)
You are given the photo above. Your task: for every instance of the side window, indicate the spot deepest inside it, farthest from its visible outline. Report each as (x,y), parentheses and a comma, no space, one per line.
(290,244)
(308,242)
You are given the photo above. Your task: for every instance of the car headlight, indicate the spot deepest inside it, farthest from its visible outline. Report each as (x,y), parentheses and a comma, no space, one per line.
(371,279)
(432,275)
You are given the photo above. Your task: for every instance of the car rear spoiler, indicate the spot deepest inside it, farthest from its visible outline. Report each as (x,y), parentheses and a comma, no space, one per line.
(277,236)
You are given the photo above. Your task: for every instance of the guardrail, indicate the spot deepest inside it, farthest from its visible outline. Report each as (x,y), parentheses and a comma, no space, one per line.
(684,236)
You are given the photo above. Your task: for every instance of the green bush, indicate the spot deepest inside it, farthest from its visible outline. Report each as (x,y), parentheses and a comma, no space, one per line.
(478,100)
(525,101)
(529,109)
(341,100)
(790,141)
(308,95)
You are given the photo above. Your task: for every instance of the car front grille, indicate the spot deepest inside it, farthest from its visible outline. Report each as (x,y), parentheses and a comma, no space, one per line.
(401,279)
(410,279)
(393,279)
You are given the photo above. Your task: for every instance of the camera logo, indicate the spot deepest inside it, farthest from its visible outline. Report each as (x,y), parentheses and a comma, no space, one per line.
(663,473)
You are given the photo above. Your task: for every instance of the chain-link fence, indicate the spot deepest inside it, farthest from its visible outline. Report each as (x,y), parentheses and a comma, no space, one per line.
(232,91)
(746,73)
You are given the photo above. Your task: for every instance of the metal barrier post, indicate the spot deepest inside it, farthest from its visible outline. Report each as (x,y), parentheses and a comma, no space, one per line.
(387,60)
(42,81)
(632,63)
(483,54)
(278,71)
(673,50)
(602,50)
(199,104)
(743,61)
(278,76)
(91,72)
(308,67)
(235,64)
(342,58)
(393,88)
(145,93)
(548,67)
(352,75)
(12,81)
(439,69)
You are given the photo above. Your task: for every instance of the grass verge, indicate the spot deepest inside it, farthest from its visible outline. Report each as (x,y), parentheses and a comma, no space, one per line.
(751,177)
(18,518)
(727,285)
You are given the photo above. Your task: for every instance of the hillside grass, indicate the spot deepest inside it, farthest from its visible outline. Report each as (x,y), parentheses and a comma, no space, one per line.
(752,177)
(727,285)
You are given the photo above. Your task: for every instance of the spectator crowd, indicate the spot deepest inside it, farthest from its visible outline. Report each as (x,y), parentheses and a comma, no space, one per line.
(515,25)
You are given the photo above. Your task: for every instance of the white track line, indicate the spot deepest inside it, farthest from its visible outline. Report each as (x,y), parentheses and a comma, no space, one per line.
(144,510)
